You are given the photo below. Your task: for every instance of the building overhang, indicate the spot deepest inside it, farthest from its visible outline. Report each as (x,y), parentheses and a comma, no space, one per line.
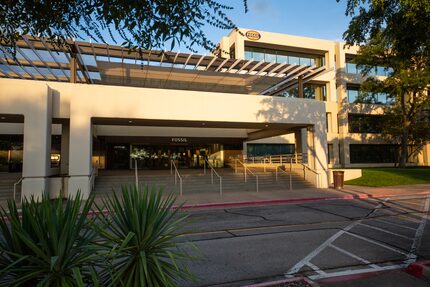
(38,59)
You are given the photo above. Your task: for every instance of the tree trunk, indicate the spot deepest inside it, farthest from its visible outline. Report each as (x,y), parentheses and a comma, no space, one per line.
(404,147)
(405,134)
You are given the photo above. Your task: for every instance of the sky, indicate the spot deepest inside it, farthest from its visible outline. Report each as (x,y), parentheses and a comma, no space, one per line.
(324,19)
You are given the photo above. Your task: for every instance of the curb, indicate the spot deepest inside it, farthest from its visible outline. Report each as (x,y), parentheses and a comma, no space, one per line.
(289,280)
(419,269)
(344,278)
(292,200)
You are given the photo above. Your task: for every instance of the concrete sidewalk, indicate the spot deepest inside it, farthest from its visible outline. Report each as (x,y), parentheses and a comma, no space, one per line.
(303,195)
(400,190)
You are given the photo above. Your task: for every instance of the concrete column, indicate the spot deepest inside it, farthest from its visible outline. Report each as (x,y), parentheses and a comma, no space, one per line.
(317,151)
(37,146)
(300,87)
(300,141)
(310,139)
(65,143)
(73,69)
(245,150)
(80,152)
(239,46)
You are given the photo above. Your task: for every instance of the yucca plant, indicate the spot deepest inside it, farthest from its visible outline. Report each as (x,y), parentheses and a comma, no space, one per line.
(48,243)
(142,231)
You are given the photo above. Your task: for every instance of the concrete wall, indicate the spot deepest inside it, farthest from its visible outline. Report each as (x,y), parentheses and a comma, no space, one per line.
(40,101)
(33,100)
(336,79)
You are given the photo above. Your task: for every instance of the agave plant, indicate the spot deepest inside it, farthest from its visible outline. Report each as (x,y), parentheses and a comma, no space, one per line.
(142,232)
(48,243)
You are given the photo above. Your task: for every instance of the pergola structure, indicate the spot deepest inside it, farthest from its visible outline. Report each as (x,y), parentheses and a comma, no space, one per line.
(83,62)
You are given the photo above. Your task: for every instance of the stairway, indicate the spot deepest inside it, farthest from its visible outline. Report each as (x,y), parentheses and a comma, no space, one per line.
(194,181)
(7,181)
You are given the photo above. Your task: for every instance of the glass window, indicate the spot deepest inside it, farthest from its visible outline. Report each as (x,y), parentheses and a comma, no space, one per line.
(293,60)
(269,149)
(248,55)
(352,95)
(258,56)
(310,91)
(282,59)
(270,58)
(365,123)
(351,68)
(330,157)
(305,61)
(278,56)
(373,153)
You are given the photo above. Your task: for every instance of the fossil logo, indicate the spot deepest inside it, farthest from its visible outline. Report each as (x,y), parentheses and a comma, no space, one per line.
(179,140)
(253,35)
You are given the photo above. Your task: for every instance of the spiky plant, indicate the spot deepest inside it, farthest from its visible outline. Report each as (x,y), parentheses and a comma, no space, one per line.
(48,243)
(142,230)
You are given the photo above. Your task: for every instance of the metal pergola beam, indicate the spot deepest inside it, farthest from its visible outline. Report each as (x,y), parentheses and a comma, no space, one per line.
(54,58)
(39,57)
(286,72)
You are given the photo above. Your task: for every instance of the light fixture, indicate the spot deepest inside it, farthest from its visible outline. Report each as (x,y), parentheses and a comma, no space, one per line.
(130,122)
(266,125)
(203,124)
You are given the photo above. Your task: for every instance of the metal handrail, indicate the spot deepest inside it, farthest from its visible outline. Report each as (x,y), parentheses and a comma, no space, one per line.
(306,167)
(289,174)
(14,187)
(212,175)
(250,171)
(177,175)
(91,180)
(278,159)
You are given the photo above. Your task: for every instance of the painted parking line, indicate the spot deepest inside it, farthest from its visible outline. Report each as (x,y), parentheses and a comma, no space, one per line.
(377,243)
(296,268)
(410,256)
(385,231)
(395,224)
(315,268)
(354,256)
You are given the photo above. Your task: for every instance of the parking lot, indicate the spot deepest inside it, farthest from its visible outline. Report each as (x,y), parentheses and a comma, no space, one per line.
(239,246)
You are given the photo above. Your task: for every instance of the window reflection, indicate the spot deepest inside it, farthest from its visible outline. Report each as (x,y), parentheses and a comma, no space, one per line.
(276,56)
(356,96)
(310,91)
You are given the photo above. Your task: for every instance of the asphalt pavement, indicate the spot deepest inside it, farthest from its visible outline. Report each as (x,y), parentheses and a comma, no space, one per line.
(319,240)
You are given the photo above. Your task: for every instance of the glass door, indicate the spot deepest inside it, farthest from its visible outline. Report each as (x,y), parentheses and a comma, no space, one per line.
(4,156)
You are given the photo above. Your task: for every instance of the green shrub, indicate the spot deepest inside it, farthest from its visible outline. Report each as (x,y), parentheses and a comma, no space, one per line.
(142,232)
(50,243)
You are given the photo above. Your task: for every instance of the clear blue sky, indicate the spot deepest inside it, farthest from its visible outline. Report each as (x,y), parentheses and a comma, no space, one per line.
(323,19)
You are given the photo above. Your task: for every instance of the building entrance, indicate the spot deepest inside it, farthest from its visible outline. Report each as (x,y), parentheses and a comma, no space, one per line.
(11,152)
(159,155)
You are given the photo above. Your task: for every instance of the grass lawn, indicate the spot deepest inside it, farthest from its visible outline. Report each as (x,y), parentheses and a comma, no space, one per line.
(392,176)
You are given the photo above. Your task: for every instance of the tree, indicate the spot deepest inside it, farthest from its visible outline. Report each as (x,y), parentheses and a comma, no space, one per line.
(395,34)
(144,24)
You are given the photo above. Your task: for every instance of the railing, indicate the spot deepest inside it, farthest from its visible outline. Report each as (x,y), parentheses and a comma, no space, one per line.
(316,176)
(286,173)
(14,187)
(174,169)
(92,178)
(279,159)
(213,171)
(245,169)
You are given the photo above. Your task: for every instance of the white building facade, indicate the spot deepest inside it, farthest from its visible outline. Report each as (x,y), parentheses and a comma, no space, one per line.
(64,112)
